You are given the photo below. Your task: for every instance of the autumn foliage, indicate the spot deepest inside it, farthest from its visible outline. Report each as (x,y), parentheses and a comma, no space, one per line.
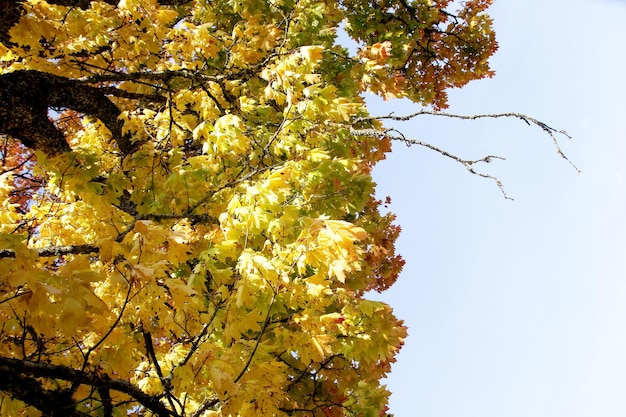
(188,222)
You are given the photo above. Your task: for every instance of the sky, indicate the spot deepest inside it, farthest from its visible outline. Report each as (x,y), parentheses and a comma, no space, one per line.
(518,308)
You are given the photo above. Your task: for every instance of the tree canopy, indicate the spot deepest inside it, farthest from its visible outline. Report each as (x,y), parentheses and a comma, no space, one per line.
(189,225)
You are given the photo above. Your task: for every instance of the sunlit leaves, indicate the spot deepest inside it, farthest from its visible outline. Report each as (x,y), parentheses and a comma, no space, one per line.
(222,264)
(444,48)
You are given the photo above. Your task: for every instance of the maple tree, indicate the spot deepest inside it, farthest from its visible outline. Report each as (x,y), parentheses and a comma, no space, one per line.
(188,222)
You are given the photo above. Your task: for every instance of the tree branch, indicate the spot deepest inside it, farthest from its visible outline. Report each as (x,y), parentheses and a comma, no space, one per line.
(206,404)
(116,92)
(552,132)
(28,94)
(56,251)
(31,391)
(112,76)
(469,164)
(26,371)
(105,398)
(258,339)
(87,249)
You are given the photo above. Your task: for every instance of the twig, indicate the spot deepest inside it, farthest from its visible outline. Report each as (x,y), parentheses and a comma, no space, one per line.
(258,339)
(467,163)
(528,119)
(395,134)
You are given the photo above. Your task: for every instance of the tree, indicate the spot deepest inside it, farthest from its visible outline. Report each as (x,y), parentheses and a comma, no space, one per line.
(189,225)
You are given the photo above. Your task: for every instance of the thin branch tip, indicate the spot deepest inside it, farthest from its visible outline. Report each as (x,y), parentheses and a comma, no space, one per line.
(399,136)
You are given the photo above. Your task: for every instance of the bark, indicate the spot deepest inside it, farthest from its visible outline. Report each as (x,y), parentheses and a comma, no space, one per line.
(26,97)
(10,12)
(19,381)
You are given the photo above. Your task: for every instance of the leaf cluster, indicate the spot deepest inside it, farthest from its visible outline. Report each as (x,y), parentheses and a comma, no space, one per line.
(188,222)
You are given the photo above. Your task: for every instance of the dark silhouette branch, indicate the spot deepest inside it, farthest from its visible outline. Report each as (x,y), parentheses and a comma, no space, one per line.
(19,381)
(27,95)
(30,391)
(20,293)
(112,76)
(165,381)
(87,249)
(258,339)
(105,398)
(56,251)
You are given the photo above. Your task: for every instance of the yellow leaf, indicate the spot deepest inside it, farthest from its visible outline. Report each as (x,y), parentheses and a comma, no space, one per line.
(337,269)
(312,53)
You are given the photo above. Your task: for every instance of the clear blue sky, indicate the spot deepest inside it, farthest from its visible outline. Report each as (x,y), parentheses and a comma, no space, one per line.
(518,309)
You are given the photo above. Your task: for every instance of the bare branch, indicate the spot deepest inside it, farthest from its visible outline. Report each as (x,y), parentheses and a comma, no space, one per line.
(552,132)
(469,164)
